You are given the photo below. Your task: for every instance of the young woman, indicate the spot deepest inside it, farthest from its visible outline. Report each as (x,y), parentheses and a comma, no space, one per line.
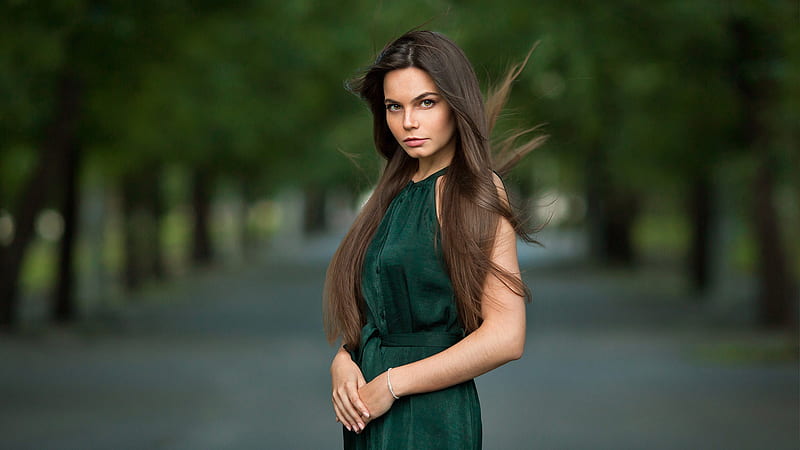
(425,290)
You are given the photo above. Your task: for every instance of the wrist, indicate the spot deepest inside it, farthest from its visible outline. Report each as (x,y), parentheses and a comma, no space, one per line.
(341,357)
(389,384)
(400,381)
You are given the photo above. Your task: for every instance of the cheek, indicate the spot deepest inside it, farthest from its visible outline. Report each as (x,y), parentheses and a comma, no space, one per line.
(393,123)
(446,124)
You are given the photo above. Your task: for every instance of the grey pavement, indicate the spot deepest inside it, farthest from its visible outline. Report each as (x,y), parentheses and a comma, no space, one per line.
(235,358)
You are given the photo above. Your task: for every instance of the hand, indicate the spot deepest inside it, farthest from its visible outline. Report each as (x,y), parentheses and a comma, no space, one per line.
(376,396)
(346,379)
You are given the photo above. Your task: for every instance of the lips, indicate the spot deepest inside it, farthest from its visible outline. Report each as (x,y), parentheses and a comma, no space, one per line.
(414,141)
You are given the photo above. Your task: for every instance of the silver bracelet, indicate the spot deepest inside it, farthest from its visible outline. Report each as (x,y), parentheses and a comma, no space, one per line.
(389,382)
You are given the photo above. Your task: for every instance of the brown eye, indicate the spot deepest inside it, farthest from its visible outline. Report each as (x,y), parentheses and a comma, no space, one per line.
(427,103)
(392,107)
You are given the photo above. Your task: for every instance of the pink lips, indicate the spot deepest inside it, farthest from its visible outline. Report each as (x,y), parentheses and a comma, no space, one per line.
(414,142)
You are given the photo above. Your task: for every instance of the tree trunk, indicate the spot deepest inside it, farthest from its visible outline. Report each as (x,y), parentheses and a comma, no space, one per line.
(32,200)
(622,211)
(247,240)
(314,217)
(201,209)
(142,209)
(595,205)
(12,256)
(153,203)
(52,156)
(64,308)
(776,288)
(611,214)
(131,268)
(753,50)
(701,212)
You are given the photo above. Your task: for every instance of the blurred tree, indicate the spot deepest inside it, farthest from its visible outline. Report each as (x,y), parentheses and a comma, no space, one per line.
(756,53)
(57,153)
(642,99)
(93,46)
(639,100)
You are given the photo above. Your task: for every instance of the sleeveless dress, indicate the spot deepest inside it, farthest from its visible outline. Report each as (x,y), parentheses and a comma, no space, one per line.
(411,314)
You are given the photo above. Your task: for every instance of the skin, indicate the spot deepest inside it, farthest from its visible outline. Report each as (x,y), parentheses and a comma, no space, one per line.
(415,109)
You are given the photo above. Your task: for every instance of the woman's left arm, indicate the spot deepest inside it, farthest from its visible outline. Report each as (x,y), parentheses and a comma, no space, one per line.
(499,339)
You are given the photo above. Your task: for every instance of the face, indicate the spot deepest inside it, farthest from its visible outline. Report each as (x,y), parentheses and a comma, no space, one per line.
(418,116)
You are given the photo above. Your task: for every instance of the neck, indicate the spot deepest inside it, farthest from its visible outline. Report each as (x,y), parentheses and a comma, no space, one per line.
(429,166)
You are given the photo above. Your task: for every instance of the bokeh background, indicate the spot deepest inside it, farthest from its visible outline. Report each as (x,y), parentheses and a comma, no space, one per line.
(175,176)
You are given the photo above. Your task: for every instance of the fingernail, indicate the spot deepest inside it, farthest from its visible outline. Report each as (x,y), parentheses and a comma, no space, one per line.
(366,414)
(348,427)
(360,427)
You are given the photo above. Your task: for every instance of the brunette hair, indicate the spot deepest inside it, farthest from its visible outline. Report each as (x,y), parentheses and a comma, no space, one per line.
(470,204)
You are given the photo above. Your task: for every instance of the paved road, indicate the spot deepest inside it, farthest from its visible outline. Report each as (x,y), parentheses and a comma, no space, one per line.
(235,359)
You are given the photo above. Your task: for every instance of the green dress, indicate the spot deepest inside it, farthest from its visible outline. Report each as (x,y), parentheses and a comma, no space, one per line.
(411,314)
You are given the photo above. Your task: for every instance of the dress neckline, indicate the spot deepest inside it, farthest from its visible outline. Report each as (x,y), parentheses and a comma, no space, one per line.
(432,176)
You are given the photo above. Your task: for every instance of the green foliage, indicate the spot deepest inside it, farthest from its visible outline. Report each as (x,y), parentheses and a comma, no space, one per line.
(255,89)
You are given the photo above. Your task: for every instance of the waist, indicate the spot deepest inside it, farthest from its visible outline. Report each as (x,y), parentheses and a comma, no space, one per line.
(421,339)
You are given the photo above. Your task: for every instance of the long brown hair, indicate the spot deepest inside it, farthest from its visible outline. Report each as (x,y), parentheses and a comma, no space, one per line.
(470,207)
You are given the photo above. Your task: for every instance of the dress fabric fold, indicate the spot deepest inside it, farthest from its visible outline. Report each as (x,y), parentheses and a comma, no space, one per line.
(410,315)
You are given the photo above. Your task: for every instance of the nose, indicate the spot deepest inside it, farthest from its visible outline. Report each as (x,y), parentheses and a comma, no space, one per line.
(409,120)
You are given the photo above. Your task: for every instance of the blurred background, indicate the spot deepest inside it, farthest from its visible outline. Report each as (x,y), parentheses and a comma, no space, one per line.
(175,176)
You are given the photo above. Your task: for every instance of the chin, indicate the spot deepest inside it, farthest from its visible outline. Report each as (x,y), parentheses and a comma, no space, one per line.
(414,154)
(418,153)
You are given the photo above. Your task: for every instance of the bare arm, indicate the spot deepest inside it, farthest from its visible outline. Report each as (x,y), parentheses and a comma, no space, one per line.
(499,339)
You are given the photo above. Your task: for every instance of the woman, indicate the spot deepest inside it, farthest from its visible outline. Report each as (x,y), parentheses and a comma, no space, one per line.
(425,290)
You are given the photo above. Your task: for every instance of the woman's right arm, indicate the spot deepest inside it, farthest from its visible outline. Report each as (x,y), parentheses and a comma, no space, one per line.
(346,379)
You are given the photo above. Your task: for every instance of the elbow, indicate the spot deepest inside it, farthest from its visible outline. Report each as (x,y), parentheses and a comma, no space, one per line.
(516,349)
(508,341)
(513,347)
(516,343)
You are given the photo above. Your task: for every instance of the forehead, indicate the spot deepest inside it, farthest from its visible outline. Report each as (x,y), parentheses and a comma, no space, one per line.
(408,83)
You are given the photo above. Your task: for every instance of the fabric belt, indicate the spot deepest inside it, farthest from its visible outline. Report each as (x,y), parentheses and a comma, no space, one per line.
(421,339)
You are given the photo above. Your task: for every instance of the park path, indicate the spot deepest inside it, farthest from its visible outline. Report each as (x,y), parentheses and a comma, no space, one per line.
(236,359)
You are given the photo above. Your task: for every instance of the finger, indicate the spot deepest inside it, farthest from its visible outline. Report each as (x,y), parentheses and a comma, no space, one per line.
(346,412)
(355,400)
(339,418)
(344,417)
(338,415)
(349,390)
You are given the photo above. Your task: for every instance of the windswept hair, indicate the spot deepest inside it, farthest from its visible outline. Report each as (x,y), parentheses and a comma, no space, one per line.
(470,204)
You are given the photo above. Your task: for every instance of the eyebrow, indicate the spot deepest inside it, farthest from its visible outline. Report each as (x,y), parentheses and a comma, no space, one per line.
(419,97)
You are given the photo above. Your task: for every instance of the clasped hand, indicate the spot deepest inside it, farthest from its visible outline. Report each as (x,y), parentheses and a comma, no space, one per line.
(355,401)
